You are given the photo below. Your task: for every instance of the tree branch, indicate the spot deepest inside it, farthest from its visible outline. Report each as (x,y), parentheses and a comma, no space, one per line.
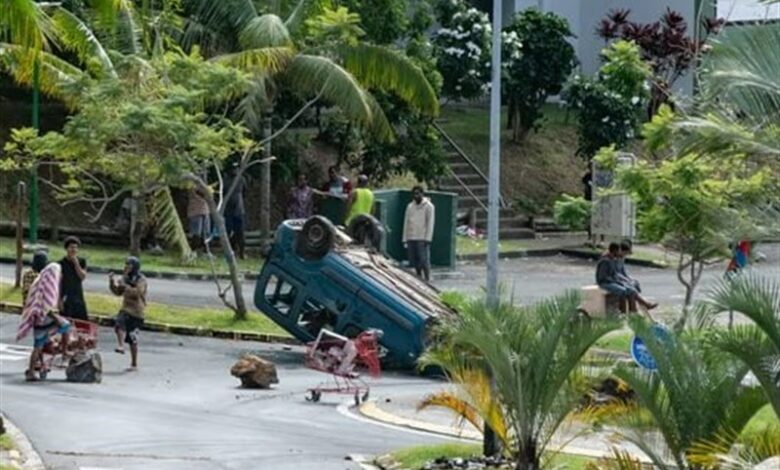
(289,122)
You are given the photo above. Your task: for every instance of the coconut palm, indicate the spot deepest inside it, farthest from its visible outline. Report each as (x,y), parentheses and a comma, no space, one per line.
(756,344)
(740,95)
(532,354)
(694,396)
(338,69)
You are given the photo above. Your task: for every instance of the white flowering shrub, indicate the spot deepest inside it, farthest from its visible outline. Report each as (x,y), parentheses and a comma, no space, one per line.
(462,49)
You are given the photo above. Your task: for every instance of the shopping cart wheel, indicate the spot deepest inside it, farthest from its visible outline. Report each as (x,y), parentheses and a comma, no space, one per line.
(314,396)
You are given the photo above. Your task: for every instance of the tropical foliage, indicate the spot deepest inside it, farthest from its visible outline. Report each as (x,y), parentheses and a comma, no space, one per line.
(532,357)
(756,344)
(695,396)
(665,46)
(537,59)
(608,106)
(462,49)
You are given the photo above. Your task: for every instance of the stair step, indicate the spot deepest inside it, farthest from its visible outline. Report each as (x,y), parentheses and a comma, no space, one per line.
(467,178)
(516,233)
(508,222)
(477,189)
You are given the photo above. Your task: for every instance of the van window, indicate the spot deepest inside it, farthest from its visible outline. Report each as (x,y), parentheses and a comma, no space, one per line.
(315,316)
(280,294)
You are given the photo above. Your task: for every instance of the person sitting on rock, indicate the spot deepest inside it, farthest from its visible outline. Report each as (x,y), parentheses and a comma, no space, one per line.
(608,278)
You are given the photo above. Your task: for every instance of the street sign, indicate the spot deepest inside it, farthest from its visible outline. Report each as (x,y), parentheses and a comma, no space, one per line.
(639,352)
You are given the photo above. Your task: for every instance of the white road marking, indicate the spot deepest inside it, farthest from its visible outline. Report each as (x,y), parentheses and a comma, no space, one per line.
(13,352)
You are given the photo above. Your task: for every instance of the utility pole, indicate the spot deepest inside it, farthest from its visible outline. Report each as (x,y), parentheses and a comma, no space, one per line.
(490,442)
(265,182)
(36,114)
(20,190)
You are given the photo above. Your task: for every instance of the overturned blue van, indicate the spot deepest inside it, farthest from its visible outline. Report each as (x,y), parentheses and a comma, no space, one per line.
(314,277)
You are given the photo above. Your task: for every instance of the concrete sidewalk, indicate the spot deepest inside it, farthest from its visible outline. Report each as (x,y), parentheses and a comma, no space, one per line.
(574,438)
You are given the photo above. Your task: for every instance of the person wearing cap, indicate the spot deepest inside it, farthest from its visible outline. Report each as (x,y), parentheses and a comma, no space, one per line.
(360,200)
(132,287)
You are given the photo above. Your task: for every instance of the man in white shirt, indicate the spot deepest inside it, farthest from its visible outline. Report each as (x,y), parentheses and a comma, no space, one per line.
(418,232)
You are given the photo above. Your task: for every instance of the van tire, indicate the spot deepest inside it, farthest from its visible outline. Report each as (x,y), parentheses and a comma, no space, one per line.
(366,230)
(315,239)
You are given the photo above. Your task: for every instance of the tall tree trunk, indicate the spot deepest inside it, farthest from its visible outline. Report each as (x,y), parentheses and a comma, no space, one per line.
(239,308)
(135,225)
(265,183)
(528,457)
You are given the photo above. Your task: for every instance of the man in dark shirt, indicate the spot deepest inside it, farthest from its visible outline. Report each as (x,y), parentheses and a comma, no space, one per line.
(235,211)
(74,270)
(610,278)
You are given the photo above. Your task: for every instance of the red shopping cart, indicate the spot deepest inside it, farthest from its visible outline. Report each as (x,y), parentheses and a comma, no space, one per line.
(342,357)
(83,337)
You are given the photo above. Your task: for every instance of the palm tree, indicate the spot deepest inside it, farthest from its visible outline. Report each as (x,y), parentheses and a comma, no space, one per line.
(740,95)
(756,344)
(695,396)
(336,69)
(532,354)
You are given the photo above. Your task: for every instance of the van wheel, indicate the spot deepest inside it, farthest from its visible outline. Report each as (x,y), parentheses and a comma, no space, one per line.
(366,230)
(315,239)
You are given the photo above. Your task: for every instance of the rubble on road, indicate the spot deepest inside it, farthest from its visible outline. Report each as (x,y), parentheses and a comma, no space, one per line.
(255,372)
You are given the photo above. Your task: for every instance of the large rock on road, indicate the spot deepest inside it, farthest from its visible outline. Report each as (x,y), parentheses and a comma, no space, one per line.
(255,372)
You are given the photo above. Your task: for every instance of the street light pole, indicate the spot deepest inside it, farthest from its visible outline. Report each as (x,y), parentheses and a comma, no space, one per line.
(36,123)
(490,442)
(495,159)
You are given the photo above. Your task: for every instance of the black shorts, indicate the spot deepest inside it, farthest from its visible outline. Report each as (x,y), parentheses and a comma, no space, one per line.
(130,325)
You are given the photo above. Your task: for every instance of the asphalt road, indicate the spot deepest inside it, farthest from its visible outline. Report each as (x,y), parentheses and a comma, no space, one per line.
(527,280)
(183,410)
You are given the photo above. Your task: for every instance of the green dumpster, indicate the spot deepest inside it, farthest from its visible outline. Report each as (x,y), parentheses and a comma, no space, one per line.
(390,209)
(443,245)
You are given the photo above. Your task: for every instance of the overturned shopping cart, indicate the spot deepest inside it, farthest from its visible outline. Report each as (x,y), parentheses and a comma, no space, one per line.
(343,358)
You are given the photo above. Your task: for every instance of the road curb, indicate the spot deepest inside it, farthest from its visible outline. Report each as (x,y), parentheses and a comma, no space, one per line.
(105,320)
(31,460)
(592,255)
(542,253)
(171,275)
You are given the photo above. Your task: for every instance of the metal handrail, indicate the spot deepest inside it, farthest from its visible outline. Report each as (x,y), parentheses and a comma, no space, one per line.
(473,165)
(468,190)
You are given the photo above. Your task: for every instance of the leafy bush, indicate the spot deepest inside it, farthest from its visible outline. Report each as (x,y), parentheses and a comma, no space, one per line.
(537,61)
(572,212)
(609,106)
(462,49)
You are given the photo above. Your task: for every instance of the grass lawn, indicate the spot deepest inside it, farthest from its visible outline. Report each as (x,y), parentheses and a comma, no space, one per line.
(534,172)
(6,443)
(764,423)
(114,258)
(214,318)
(414,458)
(468,246)
(616,341)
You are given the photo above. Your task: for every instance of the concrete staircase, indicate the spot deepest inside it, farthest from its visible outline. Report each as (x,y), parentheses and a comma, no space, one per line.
(470,184)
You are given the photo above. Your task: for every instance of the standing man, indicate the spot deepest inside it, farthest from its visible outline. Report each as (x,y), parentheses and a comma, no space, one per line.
(301,203)
(418,232)
(74,271)
(198,217)
(337,185)
(360,200)
(235,211)
(132,288)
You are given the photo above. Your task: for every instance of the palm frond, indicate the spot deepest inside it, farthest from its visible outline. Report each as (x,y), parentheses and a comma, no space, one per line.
(757,297)
(269,60)
(55,74)
(310,75)
(619,460)
(168,223)
(250,109)
(386,69)
(719,452)
(232,15)
(76,36)
(264,31)
(24,23)
(744,70)
(295,19)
